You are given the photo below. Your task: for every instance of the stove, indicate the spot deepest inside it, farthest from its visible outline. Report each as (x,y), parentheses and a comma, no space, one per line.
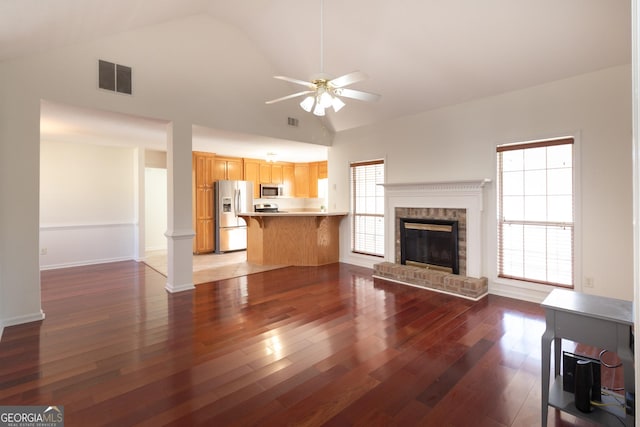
(266,207)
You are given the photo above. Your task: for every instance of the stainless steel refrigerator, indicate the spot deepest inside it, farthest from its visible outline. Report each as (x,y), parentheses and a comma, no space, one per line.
(231,198)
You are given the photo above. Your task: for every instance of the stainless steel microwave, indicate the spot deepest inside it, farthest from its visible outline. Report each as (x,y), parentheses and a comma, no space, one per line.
(271,190)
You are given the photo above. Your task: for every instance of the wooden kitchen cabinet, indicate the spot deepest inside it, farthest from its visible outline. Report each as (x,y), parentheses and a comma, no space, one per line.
(288,179)
(203,167)
(301,175)
(229,168)
(265,173)
(203,176)
(276,174)
(313,179)
(252,173)
(205,244)
(297,179)
(323,170)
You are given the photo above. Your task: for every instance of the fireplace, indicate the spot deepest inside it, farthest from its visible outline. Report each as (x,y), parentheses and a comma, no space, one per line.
(433,219)
(429,243)
(455,201)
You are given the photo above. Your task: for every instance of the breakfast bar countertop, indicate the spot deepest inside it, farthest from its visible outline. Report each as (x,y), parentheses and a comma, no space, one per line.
(294,213)
(296,237)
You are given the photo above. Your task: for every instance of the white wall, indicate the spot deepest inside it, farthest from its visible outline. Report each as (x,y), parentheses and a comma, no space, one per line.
(155,218)
(458,143)
(168,86)
(87,204)
(180,74)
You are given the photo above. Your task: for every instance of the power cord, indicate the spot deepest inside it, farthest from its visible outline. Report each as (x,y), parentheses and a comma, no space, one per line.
(605,363)
(608,391)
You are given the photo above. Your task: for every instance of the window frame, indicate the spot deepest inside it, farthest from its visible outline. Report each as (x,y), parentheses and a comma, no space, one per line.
(575,224)
(356,215)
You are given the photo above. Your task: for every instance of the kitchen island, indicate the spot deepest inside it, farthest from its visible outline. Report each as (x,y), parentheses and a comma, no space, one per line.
(293,238)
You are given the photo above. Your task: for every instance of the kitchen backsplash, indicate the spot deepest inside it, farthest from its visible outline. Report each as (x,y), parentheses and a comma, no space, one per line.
(295,203)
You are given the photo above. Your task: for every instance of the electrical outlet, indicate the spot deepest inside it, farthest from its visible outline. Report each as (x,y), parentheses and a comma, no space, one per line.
(43,251)
(588,282)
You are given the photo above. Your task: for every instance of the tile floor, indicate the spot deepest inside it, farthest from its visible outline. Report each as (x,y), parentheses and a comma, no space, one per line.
(211,267)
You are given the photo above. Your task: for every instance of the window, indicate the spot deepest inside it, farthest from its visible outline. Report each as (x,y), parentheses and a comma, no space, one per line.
(367,207)
(536,211)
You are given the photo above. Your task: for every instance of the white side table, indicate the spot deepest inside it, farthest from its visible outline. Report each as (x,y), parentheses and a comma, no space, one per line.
(601,322)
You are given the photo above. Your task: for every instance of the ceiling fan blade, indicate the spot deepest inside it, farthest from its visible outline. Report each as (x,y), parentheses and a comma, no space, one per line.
(357,94)
(294,95)
(348,79)
(296,81)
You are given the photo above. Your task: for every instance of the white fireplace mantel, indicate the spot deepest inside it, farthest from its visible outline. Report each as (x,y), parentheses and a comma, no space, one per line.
(466,195)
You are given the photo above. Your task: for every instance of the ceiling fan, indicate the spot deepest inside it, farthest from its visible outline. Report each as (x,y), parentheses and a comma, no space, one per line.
(322,91)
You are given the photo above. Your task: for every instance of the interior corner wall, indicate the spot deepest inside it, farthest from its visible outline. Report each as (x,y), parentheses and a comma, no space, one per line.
(87,206)
(155,208)
(459,142)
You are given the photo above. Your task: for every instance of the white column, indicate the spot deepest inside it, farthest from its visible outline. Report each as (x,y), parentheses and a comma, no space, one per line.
(179,221)
(19,206)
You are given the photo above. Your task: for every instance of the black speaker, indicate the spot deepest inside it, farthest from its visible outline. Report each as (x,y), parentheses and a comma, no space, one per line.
(569,371)
(583,384)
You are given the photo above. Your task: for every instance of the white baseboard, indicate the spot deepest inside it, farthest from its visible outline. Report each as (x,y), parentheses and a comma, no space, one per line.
(19,320)
(179,288)
(83,263)
(360,260)
(521,293)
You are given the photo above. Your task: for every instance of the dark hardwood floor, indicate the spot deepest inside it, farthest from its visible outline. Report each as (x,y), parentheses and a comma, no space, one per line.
(295,346)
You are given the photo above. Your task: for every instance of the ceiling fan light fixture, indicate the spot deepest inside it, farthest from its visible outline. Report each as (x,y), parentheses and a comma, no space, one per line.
(337,104)
(325,98)
(322,91)
(307,103)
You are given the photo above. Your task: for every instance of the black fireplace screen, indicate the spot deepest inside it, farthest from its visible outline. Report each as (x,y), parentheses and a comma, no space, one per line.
(429,243)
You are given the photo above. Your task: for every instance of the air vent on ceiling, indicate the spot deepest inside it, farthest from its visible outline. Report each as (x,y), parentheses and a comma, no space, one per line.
(114,77)
(292,122)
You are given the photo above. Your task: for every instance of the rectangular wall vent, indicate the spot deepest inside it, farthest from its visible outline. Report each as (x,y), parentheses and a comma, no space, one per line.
(292,121)
(114,77)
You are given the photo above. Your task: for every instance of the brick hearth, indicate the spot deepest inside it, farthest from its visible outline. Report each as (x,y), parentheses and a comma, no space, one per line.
(463,286)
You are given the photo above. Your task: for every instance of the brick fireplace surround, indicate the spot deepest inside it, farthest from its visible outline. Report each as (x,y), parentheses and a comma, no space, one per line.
(459,200)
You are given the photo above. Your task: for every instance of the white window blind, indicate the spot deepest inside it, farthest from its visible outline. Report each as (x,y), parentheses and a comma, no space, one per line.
(536,211)
(367,207)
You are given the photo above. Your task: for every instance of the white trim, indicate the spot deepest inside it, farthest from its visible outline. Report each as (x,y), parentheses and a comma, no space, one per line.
(179,288)
(440,291)
(83,263)
(440,186)
(27,318)
(57,227)
(516,289)
(466,195)
(361,260)
(180,234)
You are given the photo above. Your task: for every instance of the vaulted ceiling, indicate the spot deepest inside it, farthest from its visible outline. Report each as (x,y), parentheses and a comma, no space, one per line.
(419,54)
